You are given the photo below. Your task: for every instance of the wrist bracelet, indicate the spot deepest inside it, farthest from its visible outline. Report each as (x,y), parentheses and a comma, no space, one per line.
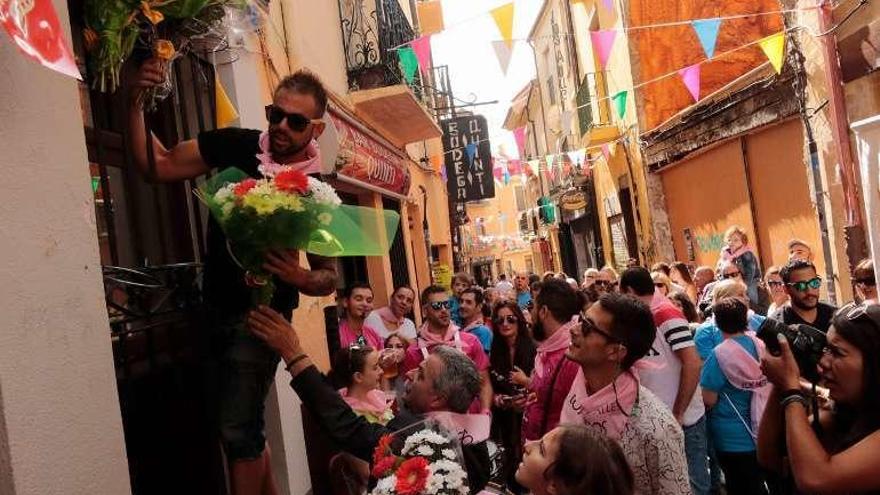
(792,392)
(794,398)
(294,361)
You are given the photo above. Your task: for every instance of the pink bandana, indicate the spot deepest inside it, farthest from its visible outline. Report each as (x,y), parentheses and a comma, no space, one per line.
(428,340)
(601,409)
(376,402)
(560,340)
(743,371)
(469,428)
(388,316)
(269,168)
(347,336)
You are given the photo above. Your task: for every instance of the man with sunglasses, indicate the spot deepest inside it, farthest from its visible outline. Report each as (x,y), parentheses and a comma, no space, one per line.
(438,330)
(607,396)
(802,284)
(249,365)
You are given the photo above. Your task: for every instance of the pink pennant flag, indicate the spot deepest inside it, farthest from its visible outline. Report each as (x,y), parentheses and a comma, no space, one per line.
(422,48)
(609,5)
(603,42)
(690,76)
(498,172)
(606,152)
(520,135)
(514,166)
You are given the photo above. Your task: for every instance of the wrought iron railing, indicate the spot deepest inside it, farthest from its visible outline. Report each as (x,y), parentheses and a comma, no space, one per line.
(371,30)
(592,102)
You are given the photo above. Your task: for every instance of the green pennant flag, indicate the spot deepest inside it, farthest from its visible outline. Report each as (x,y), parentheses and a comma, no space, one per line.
(408,62)
(620,103)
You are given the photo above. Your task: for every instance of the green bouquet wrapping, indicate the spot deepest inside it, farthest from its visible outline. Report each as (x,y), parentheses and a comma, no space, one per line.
(291,211)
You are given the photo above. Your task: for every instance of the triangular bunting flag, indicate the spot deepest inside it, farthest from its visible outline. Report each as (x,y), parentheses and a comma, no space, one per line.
(774,49)
(519,134)
(690,76)
(498,172)
(606,152)
(707,32)
(506,177)
(609,5)
(534,165)
(504,20)
(421,46)
(408,63)
(471,151)
(619,100)
(514,166)
(503,52)
(549,159)
(603,42)
(226,112)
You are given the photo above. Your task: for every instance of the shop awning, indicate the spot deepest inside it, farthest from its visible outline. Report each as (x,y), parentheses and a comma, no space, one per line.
(366,159)
(395,112)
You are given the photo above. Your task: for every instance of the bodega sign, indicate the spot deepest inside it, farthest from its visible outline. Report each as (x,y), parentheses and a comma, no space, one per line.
(468,159)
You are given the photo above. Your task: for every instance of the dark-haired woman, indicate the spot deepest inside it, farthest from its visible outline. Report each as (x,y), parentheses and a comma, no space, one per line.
(511,361)
(573,460)
(844,456)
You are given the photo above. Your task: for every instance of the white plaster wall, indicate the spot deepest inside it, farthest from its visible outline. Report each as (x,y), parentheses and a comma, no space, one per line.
(63,433)
(314,40)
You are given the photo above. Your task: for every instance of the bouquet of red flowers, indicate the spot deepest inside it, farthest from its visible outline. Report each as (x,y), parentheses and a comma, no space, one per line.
(423,459)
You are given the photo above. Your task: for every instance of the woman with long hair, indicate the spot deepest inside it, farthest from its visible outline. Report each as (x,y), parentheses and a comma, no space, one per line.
(574,460)
(511,361)
(680,274)
(843,457)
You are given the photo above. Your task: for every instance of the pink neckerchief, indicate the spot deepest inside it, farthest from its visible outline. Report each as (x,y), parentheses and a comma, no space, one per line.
(269,167)
(388,316)
(428,340)
(468,428)
(347,335)
(376,402)
(560,340)
(601,410)
(727,255)
(743,371)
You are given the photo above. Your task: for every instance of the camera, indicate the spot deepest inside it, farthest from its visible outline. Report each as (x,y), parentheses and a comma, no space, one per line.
(807,344)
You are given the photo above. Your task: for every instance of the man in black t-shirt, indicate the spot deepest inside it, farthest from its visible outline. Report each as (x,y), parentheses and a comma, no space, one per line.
(802,285)
(249,365)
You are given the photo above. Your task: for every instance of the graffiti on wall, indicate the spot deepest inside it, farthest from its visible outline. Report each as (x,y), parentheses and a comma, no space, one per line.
(709,243)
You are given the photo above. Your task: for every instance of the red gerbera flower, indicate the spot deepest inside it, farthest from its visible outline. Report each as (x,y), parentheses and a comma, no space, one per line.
(382,449)
(412,476)
(244,186)
(292,181)
(381,468)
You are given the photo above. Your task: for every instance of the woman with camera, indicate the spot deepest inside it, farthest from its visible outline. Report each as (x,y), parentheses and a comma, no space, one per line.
(842,454)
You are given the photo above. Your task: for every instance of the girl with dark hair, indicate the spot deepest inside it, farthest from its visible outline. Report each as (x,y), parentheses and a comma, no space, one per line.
(511,361)
(680,274)
(356,371)
(683,302)
(843,457)
(573,460)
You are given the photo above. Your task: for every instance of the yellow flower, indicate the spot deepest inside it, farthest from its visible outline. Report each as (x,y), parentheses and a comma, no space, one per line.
(90,38)
(263,205)
(154,16)
(164,49)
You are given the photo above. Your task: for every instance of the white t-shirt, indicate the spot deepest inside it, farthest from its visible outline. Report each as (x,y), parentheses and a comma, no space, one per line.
(407,329)
(504,286)
(673,334)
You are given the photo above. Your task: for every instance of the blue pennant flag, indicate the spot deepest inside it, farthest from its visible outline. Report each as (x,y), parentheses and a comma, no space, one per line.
(707,32)
(471,150)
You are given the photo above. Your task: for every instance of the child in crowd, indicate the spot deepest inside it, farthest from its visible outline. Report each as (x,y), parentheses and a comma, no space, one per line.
(393,382)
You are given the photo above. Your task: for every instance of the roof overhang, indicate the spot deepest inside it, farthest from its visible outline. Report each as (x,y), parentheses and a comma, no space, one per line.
(395,113)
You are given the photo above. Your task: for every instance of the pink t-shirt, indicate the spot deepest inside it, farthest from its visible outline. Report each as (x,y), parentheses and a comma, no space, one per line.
(469,345)
(348,337)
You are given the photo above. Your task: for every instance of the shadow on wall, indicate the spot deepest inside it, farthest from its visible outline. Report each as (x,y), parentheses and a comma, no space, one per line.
(7,484)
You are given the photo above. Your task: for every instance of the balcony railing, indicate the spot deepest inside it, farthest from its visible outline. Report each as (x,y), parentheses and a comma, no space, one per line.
(370,29)
(592,101)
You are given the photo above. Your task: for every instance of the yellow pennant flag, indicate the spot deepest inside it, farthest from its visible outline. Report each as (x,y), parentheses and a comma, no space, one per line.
(504,20)
(774,49)
(226,112)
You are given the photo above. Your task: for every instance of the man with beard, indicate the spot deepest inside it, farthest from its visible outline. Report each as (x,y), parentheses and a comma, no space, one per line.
(472,317)
(438,331)
(442,388)
(802,285)
(249,365)
(357,302)
(553,316)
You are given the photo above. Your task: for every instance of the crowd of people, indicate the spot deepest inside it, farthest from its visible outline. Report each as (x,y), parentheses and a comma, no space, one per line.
(660,381)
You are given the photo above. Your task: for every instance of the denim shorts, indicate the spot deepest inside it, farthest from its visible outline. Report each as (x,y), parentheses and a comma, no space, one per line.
(248,368)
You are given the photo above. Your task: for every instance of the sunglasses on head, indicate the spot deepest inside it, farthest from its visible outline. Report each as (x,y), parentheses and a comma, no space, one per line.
(726,276)
(803,286)
(438,305)
(512,319)
(296,121)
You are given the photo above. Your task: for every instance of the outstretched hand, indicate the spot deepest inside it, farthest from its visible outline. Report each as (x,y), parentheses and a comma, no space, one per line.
(284,263)
(150,74)
(270,327)
(782,370)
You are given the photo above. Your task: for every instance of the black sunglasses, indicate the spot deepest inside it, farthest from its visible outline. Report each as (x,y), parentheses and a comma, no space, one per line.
(512,319)
(774,283)
(296,121)
(588,327)
(437,306)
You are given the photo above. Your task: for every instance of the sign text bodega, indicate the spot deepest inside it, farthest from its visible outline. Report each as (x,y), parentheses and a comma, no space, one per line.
(468,168)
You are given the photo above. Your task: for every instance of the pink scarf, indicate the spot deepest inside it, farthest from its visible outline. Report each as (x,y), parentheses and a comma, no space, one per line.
(269,167)
(560,340)
(601,409)
(428,340)
(376,402)
(347,336)
(468,428)
(388,316)
(743,371)
(727,255)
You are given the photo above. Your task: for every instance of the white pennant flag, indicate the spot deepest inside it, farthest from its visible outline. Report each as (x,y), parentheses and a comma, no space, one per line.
(504,53)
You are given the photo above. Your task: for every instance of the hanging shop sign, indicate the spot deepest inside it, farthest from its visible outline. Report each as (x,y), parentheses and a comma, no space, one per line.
(468,158)
(367,158)
(573,200)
